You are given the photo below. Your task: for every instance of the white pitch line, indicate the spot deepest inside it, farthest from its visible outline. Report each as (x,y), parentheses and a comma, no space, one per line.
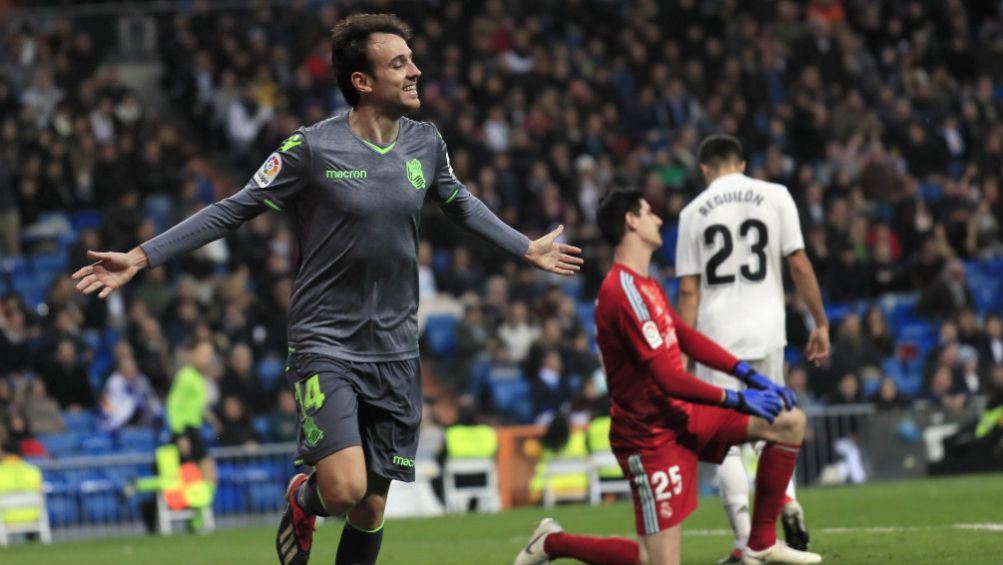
(881,530)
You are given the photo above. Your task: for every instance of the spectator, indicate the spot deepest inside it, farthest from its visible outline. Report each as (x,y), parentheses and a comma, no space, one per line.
(888,397)
(236,427)
(283,422)
(847,391)
(517,333)
(66,380)
(948,296)
(240,380)
(20,435)
(943,392)
(852,349)
(129,399)
(990,343)
(797,380)
(877,332)
(550,388)
(43,413)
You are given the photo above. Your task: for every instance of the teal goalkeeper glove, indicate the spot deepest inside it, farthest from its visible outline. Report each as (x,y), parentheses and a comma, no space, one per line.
(745,373)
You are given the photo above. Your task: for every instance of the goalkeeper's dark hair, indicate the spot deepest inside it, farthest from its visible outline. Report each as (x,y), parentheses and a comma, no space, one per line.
(350,47)
(719,150)
(612,209)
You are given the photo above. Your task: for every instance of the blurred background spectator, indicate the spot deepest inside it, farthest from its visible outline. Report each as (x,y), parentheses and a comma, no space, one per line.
(885,120)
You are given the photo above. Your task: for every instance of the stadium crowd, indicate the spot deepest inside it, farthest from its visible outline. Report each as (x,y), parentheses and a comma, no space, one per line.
(885,120)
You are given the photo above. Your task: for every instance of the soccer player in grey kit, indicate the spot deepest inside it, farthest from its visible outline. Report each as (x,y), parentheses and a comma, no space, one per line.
(353,186)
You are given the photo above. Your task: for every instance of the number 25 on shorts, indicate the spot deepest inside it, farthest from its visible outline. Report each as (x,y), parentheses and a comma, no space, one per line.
(667,483)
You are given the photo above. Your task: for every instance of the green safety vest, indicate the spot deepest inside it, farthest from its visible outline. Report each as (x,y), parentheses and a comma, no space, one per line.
(182,485)
(471,442)
(576,448)
(17,475)
(598,432)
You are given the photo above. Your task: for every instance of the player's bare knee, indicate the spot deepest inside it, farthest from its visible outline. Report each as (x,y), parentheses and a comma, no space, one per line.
(793,426)
(339,496)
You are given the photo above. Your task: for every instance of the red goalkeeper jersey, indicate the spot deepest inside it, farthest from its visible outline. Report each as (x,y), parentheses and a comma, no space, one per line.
(639,337)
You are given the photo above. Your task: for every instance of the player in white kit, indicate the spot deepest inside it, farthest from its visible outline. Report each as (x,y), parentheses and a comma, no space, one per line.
(732,239)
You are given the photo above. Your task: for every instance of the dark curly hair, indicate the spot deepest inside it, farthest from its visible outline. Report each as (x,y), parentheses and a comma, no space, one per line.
(350,47)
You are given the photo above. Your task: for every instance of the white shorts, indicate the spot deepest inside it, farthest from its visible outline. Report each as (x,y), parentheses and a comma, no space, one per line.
(772,366)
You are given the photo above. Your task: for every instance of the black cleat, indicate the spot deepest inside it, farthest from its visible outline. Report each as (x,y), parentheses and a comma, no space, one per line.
(795,528)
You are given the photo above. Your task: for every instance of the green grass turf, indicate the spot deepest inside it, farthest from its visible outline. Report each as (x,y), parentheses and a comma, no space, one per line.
(893,523)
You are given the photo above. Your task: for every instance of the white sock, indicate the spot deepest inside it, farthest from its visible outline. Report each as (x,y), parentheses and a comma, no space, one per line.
(734,485)
(790,489)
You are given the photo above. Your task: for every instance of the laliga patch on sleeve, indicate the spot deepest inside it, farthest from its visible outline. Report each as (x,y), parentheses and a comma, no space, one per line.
(268,171)
(651,334)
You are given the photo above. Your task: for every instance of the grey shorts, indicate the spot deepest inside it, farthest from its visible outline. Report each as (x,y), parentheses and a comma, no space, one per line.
(344,403)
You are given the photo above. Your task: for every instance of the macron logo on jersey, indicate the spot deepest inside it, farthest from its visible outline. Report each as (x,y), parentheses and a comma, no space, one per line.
(336,174)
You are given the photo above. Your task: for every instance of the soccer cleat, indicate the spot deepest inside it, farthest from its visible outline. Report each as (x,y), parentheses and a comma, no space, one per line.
(296,528)
(795,529)
(533,553)
(779,553)
(734,557)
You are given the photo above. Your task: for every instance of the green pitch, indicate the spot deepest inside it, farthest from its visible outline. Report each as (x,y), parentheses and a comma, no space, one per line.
(921,522)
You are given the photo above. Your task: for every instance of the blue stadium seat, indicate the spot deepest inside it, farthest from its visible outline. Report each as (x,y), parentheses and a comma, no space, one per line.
(671,288)
(267,496)
(14,266)
(49,264)
(262,426)
(61,503)
(82,421)
(510,393)
(61,445)
(137,440)
(572,286)
(670,238)
(97,443)
(85,219)
(101,501)
(438,335)
(270,369)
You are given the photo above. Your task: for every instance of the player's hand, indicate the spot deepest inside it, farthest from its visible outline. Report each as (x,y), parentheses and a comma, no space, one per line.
(765,404)
(758,381)
(109,271)
(817,350)
(548,255)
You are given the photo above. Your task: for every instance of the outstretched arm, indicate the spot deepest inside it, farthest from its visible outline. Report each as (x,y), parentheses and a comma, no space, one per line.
(548,255)
(278,180)
(110,271)
(469,212)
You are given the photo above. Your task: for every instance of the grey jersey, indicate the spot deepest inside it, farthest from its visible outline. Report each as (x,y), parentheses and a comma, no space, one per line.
(355,208)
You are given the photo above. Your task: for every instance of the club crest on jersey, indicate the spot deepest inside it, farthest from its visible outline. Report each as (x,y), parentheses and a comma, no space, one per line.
(652,335)
(415,175)
(268,171)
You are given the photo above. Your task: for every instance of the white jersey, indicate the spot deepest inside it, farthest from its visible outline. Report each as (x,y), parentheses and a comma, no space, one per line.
(734,236)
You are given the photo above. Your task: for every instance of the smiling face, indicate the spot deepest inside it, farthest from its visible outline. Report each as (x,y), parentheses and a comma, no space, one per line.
(394,81)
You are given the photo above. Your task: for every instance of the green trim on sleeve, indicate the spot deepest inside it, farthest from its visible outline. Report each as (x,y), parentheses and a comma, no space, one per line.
(451,197)
(272,205)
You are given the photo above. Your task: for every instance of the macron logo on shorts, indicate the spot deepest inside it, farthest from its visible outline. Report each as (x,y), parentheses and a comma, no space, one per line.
(403,461)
